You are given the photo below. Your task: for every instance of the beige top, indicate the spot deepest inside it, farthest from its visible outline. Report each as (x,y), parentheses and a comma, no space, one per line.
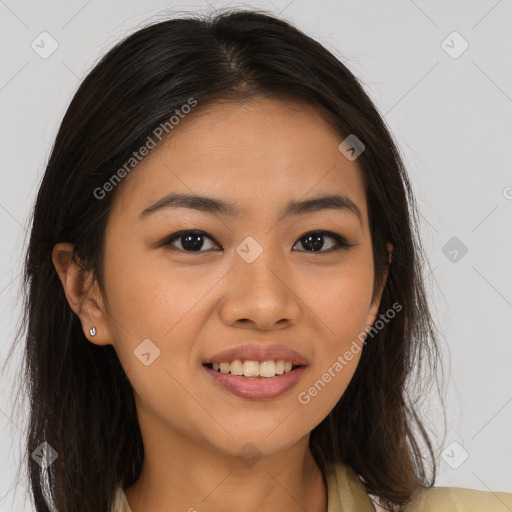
(346,493)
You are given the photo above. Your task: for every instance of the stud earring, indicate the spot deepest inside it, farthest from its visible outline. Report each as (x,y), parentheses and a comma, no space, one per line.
(92,331)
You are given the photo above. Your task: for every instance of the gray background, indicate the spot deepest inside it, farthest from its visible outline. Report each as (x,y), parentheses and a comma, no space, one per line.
(450,117)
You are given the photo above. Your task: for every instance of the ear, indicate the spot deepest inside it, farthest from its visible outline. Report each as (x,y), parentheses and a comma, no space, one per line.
(374,307)
(83,296)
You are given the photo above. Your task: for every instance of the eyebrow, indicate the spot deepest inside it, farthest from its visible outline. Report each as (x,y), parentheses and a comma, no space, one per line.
(217,206)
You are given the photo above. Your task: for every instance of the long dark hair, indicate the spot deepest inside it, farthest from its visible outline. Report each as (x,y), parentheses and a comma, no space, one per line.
(81,402)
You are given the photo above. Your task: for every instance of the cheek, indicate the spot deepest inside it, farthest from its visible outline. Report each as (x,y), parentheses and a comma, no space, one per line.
(340,299)
(147,297)
(340,303)
(151,310)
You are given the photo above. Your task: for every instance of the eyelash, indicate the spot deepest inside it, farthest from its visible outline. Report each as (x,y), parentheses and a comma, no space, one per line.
(342,243)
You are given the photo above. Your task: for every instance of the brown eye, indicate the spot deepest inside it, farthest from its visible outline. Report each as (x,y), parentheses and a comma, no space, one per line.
(188,241)
(314,241)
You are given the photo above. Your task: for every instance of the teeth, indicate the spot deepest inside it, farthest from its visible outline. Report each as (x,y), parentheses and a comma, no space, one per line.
(267,369)
(254,368)
(236,367)
(251,368)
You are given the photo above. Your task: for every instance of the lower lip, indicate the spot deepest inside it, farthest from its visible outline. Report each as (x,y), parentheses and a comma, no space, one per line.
(257,387)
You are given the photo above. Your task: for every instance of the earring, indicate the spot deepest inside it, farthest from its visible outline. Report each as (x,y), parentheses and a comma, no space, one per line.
(92,331)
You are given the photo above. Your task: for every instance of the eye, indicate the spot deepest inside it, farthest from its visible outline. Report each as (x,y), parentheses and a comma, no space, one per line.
(190,241)
(193,241)
(313,241)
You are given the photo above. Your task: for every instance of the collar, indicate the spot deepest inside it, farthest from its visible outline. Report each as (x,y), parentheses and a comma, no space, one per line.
(345,491)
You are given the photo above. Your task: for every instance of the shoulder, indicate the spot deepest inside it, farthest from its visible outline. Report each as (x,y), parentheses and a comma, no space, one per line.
(347,487)
(455,499)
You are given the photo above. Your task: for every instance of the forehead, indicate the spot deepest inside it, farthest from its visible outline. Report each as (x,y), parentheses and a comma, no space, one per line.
(258,155)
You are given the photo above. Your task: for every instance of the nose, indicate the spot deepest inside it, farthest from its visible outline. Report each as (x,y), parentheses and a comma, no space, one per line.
(260,295)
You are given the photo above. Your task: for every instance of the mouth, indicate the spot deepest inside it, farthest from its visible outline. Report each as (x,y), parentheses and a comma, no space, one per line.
(256,371)
(255,380)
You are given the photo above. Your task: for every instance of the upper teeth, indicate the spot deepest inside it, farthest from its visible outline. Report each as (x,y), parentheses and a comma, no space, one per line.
(254,368)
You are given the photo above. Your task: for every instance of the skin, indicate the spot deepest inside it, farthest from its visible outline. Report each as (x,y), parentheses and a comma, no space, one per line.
(195,304)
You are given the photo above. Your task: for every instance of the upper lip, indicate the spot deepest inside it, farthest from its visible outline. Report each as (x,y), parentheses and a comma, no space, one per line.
(259,353)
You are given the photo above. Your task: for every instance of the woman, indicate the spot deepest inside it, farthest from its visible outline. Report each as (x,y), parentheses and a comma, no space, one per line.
(225,295)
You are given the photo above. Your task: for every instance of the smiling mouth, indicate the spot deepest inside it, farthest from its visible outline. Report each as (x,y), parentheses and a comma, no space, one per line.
(254,369)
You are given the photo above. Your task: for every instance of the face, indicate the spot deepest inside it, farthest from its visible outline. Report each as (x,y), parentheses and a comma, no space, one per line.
(247,276)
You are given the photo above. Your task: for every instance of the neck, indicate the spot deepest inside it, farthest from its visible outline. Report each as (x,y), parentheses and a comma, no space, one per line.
(179,475)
